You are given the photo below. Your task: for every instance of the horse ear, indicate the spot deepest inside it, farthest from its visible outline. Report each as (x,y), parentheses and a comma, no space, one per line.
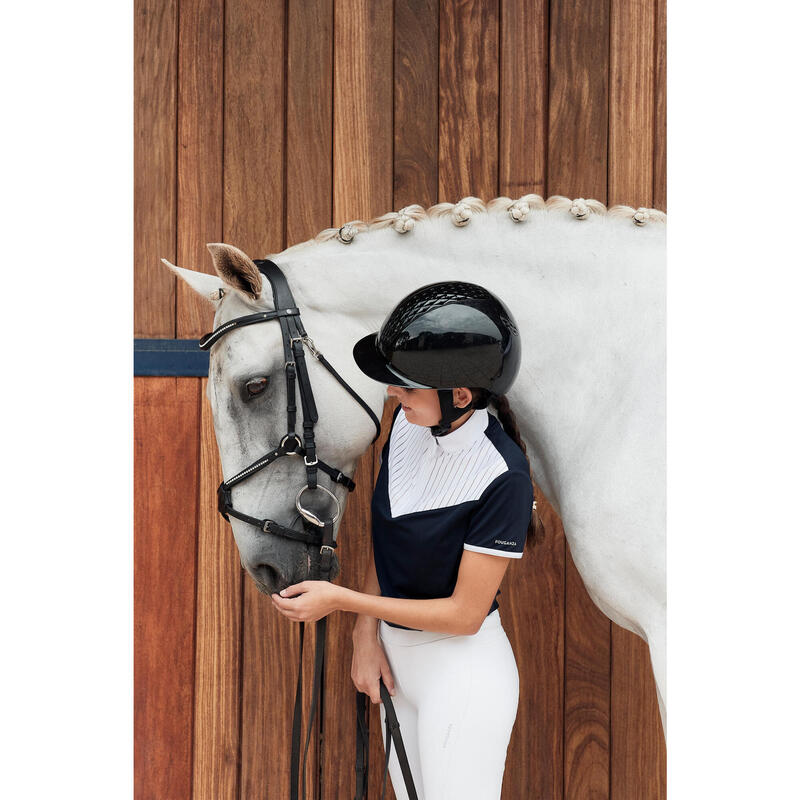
(236,269)
(207,286)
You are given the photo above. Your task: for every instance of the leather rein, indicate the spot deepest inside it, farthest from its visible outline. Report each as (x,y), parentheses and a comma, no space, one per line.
(317,530)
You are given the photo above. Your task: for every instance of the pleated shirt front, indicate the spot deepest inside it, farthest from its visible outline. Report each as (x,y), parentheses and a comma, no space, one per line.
(437,496)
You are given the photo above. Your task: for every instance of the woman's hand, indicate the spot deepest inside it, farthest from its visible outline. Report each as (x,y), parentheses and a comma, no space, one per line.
(370,664)
(312,600)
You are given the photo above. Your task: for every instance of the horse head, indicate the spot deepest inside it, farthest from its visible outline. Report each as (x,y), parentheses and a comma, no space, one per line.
(250,387)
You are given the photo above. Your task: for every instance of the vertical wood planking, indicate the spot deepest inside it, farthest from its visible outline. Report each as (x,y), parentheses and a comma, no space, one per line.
(165,519)
(362,109)
(253,200)
(253,219)
(218,648)
(524,57)
(309,147)
(577,167)
(660,108)
(638,748)
(587,708)
(362,189)
(416,102)
(200,49)
(532,613)
(638,758)
(532,600)
(488,98)
(630,124)
(309,144)
(154,222)
(578,103)
(468,99)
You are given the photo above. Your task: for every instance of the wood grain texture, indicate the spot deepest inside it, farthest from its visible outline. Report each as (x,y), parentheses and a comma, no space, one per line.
(468,99)
(362,189)
(637,743)
(308,210)
(630,125)
(218,640)
(362,109)
(384,104)
(532,614)
(587,713)
(416,102)
(524,56)
(200,48)
(660,109)
(166,410)
(638,748)
(253,219)
(577,159)
(309,143)
(578,108)
(253,202)
(532,602)
(154,165)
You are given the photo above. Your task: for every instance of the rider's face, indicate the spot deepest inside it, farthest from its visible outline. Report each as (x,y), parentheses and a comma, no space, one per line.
(421,406)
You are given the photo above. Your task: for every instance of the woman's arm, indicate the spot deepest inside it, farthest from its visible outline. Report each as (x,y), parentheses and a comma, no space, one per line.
(367,625)
(479,576)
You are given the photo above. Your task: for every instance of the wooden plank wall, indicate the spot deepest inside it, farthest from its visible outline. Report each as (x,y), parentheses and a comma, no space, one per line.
(260,123)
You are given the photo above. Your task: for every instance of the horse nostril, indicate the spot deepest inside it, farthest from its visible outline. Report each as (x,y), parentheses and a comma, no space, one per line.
(268,576)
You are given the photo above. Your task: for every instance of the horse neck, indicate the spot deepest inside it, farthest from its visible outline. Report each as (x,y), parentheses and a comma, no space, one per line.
(588,297)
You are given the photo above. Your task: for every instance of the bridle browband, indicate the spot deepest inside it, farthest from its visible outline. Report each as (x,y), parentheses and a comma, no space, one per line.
(316,529)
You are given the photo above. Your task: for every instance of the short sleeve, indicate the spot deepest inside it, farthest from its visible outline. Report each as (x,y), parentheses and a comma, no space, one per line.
(499,522)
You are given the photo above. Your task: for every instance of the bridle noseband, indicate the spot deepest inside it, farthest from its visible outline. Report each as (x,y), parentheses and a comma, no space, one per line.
(317,530)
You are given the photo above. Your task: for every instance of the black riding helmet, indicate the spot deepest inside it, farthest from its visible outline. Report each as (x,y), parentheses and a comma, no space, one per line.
(442,336)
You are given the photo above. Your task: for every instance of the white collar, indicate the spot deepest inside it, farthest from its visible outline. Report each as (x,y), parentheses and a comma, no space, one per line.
(465,434)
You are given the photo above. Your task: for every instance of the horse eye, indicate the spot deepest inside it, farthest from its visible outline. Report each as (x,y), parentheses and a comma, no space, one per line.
(256,386)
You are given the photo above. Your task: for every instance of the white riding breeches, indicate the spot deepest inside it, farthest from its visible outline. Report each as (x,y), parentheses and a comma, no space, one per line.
(456,701)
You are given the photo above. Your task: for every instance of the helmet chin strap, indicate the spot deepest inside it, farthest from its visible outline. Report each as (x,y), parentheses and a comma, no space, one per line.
(450,412)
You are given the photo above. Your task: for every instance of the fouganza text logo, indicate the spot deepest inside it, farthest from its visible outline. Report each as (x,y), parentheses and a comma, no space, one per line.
(503,541)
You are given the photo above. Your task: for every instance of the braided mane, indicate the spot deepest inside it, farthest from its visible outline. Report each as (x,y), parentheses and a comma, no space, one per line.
(462,212)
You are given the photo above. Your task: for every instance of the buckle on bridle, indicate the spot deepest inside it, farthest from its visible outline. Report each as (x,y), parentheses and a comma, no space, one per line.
(308,342)
(310,463)
(326,547)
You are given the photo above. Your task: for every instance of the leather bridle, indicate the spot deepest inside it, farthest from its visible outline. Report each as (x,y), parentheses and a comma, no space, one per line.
(317,530)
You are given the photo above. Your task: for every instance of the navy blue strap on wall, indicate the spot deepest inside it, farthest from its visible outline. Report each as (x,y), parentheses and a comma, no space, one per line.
(179,357)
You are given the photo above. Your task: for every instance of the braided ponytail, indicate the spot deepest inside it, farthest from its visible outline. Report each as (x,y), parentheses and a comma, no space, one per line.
(480,399)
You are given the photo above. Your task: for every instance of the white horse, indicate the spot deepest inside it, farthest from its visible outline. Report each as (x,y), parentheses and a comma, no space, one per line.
(586,285)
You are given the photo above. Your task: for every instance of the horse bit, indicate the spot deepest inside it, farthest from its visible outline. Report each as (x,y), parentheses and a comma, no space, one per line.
(318,527)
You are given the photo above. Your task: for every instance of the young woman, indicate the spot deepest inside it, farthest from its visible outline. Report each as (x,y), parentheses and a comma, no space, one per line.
(452,505)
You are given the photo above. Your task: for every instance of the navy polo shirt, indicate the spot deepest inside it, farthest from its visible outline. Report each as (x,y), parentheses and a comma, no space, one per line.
(438,496)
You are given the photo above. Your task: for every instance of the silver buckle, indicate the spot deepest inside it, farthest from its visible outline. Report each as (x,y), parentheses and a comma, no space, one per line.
(309,343)
(310,463)
(326,547)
